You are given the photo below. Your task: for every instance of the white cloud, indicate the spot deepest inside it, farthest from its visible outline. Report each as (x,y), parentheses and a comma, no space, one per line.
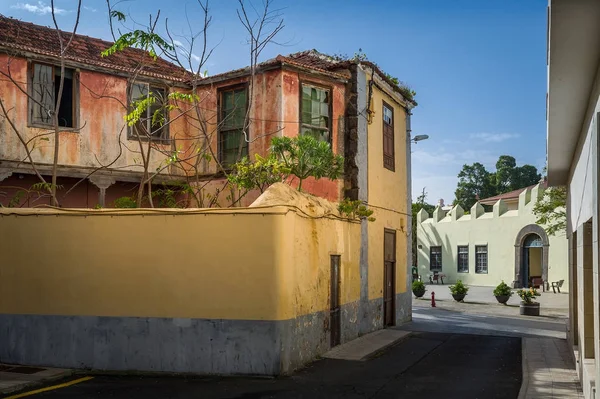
(40,8)
(494,137)
(437,168)
(89,9)
(177,43)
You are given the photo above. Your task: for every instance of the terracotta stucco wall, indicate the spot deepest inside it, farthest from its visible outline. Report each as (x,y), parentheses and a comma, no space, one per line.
(102,137)
(274,112)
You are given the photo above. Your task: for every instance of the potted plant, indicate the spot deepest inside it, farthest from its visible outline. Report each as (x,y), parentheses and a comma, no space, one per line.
(458,291)
(418,288)
(528,306)
(503,293)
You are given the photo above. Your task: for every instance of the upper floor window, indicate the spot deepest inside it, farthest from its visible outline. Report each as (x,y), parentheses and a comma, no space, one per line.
(152,123)
(463,259)
(315,107)
(389,155)
(233,144)
(44,87)
(481,259)
(435,258)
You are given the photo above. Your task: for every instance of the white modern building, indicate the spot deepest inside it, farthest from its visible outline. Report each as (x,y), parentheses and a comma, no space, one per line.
(573,106)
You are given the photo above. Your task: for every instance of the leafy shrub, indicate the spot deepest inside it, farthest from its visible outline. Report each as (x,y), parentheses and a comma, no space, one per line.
(502,289)
(125,202)
(259,174)
(355,210)
(529,295)
(459,288)
(418,286)
(305,156)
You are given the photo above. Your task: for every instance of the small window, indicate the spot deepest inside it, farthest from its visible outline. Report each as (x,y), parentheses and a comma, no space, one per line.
(45,85)
(314,112)
(389,155)
(435,259)
(463,259)
(152,123)
(481,259)
(233,144)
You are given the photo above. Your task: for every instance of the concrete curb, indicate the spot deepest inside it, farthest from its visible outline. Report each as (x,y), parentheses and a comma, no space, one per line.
(22,385)
(525,368)
(367,346)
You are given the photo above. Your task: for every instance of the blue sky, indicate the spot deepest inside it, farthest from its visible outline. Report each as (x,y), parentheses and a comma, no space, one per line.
(478,67)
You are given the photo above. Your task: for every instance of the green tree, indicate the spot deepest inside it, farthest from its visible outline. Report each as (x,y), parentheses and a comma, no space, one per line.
(416,207)
(474,183)
(550,210)
(306,157)
(259,174)
(505,173)
(525,176)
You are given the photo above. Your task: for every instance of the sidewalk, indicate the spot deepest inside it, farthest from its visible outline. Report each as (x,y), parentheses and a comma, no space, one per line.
(480,300)
(368,345)
(14,378)
(548,370)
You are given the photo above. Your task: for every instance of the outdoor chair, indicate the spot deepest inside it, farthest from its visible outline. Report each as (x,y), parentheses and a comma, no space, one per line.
(556,285)
(437,277)
(537,282)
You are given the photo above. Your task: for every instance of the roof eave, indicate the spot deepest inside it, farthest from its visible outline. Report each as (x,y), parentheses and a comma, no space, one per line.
(573,54)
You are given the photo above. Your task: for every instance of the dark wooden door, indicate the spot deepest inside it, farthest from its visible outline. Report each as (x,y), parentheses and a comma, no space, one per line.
(389,278)
(334,307)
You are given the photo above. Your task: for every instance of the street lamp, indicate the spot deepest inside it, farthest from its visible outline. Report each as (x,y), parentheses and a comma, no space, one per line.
(419,137)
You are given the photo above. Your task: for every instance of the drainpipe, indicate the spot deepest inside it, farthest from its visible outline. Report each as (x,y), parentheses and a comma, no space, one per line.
(409,209)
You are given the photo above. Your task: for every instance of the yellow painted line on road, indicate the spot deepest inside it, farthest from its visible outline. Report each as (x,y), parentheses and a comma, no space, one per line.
(51,388)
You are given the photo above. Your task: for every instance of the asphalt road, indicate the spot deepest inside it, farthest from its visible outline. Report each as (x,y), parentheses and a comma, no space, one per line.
(427,365)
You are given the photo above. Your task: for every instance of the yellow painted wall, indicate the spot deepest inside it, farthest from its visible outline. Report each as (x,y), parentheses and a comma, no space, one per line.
(387,194)
(304,278)
(264,263)
(535,261)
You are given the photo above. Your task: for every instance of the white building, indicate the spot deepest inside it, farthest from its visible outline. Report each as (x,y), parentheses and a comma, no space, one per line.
(485,248)
(572,111)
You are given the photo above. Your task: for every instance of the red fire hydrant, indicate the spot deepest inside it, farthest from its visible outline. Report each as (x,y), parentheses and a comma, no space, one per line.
(432,299)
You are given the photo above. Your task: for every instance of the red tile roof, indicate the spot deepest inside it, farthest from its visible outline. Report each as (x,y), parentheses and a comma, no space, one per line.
(315,59)
(319,62)
(25,36)
(511,195)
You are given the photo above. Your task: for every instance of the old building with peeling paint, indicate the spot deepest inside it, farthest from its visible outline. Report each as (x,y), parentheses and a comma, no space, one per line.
(352,104)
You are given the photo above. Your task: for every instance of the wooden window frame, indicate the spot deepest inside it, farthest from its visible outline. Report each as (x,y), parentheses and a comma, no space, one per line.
(165,137)
(458,259)
(220,129)
(487,257)
(74,94)
(389,159)
(431,268)
(330,108)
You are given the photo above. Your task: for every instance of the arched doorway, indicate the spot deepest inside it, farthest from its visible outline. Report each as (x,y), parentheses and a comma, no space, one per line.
(531,255)
(531,261)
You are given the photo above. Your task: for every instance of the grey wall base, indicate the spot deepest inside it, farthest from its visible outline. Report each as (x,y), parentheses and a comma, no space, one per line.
(202,346)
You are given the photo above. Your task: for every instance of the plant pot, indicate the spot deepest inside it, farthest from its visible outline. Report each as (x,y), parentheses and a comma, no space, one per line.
(502,299)
(419,293)
(458,297)
(530,309)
